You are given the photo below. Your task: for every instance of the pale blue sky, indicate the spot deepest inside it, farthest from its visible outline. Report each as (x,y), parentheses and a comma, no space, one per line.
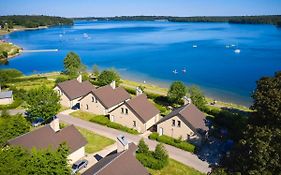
(75,8)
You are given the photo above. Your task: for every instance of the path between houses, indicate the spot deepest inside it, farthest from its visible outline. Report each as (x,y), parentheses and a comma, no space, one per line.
(175,153)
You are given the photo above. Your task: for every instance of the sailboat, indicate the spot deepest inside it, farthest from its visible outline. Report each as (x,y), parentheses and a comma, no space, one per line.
(175,71)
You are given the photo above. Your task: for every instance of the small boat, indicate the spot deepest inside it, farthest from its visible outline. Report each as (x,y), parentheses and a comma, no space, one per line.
(175,71)
(227,46)
(194,46)
(60,35)
(233,45)
(85,35)
(237,51)
(184,70)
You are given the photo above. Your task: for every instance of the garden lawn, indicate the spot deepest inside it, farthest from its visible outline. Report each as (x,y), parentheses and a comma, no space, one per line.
(175,168)
(95,142)
(83,115)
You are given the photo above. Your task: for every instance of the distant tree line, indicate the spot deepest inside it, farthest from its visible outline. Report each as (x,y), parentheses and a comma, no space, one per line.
(267,19)
(8,22)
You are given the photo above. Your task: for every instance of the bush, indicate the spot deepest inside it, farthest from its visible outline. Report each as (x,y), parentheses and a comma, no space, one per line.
(143,147)
(174,142)
(100,119)
(150,162)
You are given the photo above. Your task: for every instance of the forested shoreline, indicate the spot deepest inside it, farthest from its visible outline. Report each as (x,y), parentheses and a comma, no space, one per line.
(28,21)
(267,19)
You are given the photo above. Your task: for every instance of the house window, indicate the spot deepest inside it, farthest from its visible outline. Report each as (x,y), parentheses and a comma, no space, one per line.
(94,100)
(134,123)
(127,111)
(87,107)
(122,110)
(179,123)
(188,137)
(59,92)
(173,122)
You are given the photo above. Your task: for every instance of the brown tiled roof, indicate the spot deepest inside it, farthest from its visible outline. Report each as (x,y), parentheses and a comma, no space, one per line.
(124,163)
(191,115)
(73,89)
(142,107)
(46,137)
(110,97)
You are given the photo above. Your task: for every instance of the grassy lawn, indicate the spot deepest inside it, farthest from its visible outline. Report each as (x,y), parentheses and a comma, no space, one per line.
(83,115)
(95,142)
(175,168)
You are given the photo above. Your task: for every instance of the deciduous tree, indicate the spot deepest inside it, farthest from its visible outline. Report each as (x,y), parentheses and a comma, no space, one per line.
(176,92)
(42,102)
(107,76)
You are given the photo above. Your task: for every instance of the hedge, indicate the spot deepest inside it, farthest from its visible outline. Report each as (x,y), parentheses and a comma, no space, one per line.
(100,119)
(174,142)
(150,162)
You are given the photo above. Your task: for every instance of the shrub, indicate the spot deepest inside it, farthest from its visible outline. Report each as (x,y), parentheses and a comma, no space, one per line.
(171,141)
(160,153)
(150,162)
(100,119)
(143,147)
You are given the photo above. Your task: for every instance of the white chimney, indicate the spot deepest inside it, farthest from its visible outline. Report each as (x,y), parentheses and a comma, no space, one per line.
(138,91)
(79,78)
(122,143)
(55,124)
(0,88)
(187,100)
(113,84)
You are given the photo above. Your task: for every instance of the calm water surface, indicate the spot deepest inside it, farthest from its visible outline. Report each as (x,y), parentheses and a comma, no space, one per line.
(151,51)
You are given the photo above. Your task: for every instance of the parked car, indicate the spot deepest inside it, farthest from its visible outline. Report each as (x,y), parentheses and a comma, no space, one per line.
(38,122)
(79,165)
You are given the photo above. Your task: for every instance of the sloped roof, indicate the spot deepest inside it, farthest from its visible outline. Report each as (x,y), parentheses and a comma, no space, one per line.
(124,163)
(142,107)
(191,115)
(74,89)
(6,94)
(46,137)
(110,97)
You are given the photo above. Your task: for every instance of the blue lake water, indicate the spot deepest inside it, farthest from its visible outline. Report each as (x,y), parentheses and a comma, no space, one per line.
(151,51)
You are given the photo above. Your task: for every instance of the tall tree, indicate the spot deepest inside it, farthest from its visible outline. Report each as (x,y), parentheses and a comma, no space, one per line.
(17,160)
(96,71)
(143,147)
(197,97)
(72,64)
(176,92)
(12,126)
(107,76)
(42,102)
(259,151)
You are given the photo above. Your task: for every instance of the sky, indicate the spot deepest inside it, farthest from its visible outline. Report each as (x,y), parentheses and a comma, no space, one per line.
(86,8)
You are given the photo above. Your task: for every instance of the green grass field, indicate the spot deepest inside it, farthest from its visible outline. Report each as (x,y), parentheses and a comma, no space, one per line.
(95,142)
(175,168)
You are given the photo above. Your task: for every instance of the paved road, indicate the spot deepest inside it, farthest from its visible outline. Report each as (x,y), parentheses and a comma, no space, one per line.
(175,153)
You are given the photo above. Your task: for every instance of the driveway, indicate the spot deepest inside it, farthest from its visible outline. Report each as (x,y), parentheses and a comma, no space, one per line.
(184,157)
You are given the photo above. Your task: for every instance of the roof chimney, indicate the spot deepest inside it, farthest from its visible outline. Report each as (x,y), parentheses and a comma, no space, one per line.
(79,78)
(138,91)
(55,124)
(113,84)
(0,88)
(122,143)
(187,100)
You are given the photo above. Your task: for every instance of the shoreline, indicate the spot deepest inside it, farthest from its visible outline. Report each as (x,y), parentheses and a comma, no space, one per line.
(20,28)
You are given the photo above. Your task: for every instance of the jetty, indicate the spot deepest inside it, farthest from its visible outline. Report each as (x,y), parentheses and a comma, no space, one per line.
(41,50)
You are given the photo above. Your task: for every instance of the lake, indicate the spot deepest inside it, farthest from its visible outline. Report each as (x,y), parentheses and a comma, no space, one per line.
(158,52)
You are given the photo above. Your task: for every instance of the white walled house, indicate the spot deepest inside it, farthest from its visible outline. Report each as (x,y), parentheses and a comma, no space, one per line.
(6,97)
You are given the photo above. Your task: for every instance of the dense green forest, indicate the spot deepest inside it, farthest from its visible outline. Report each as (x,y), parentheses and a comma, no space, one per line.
(9,22)
(271,19)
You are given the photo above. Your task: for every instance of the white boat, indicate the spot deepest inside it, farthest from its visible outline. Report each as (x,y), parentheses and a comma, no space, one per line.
(233,45)
(184,70)
(227,46)
(60,35)
(237,51)
(85,35)
(194,46)
(175,71)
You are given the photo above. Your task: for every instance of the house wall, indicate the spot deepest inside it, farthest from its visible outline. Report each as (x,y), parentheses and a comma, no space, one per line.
(126,119)
(175,131)
(6,101)
(64,101)
(93,107)
(152,121)
(76,155)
